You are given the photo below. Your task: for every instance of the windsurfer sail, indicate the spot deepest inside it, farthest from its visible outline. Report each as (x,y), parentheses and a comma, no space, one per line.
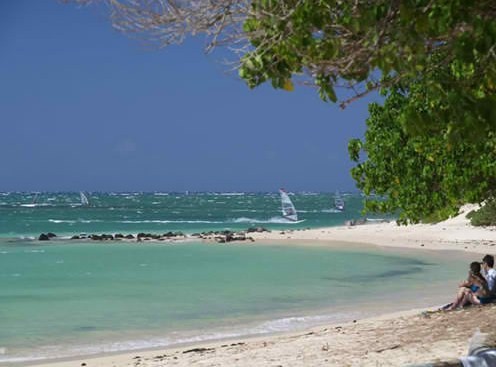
(338,202)
(287,207)
(84,199)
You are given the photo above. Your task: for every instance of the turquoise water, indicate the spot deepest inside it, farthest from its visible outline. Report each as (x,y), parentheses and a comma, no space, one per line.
(62,214)
(66,297)
(71,298)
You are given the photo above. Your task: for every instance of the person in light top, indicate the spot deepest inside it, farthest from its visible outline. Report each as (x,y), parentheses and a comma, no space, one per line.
(489,273)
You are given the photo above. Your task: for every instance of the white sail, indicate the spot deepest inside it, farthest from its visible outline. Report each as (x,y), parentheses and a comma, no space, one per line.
(287,207)
(338,202)
(84,199)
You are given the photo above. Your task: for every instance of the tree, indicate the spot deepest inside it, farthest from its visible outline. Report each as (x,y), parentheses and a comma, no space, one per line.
(431,146)
(362,45)
(423,177)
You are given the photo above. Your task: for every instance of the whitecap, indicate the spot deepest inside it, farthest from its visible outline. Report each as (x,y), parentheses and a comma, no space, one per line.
(167,221)
(331,211)
(275,220)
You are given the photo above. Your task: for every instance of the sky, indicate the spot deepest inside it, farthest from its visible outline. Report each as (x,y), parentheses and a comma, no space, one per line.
(84,107)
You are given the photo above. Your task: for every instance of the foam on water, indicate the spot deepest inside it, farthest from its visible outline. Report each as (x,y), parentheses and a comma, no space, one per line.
(275,220)
(280,325)
(170,221)
(74,221)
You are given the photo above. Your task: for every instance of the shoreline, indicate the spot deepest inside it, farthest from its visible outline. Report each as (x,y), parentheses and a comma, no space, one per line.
(393,339)
(370,341)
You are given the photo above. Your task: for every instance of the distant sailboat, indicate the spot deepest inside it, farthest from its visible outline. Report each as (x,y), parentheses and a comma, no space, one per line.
(338,202)
(287,207)
(84,199)
(34,202)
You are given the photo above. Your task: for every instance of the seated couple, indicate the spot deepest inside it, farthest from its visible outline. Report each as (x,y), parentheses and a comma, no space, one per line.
(480,287)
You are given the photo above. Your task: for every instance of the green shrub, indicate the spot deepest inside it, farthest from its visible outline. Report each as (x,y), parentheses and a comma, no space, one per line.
(485,216)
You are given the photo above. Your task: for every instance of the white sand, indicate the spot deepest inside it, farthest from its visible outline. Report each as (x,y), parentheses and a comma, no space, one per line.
(390,340)
(453,234)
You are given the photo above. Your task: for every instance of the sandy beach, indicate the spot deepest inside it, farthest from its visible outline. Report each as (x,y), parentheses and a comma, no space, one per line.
(453,234)
(394,339)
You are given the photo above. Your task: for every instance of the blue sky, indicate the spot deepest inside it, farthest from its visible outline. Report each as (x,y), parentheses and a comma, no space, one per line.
(84,107)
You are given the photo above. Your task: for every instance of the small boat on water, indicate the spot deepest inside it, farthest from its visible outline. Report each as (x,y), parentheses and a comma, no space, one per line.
(287,207)
(338,202)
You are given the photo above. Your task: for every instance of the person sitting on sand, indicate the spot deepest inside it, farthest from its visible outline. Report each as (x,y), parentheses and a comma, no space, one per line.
(474,290)
(489,273)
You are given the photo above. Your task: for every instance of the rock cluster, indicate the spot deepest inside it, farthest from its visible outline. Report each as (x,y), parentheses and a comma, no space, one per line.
(257,229)
(227,236)
(218,236)
(46,237)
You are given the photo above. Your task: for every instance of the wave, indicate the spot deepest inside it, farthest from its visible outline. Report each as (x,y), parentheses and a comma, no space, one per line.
(169,221)
(75,221)
(176,338)
(275,220)
(331,211)
(297,322)
(35,205)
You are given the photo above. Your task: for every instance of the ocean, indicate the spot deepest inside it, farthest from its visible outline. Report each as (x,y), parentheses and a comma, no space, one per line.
(65,298)
(63,214)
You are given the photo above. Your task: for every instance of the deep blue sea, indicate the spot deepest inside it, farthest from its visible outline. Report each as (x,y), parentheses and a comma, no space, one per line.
(66,297)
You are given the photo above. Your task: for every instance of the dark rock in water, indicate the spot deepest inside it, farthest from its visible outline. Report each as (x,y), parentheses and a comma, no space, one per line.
(129,237)
(43,237)
(76,237)
(118,235)
(196,235)
(107,237)
(51,235)
(240,236)
(257,229)
(141,234)
(96,237)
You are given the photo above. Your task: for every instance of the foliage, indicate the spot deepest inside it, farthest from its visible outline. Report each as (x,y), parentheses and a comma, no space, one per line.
(339,40)
(431,147)
(485,216)
(425,177)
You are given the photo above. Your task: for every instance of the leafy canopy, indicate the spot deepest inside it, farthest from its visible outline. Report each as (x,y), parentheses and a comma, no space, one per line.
(423,177)
(431,146)
(342,42)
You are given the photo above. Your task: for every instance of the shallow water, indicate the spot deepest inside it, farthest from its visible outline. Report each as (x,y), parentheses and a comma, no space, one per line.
(67,298)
